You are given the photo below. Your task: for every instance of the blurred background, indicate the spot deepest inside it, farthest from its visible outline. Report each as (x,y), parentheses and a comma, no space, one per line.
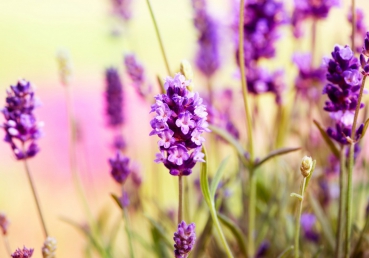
(32,31)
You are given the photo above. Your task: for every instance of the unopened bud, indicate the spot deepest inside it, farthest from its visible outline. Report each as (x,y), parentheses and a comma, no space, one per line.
(65,67)
(306,166)
(186,70)
(49,248)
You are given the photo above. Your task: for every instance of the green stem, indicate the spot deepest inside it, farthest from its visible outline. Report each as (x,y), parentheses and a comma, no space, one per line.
(353,25)
(313,41)
(350,170)
(252,212)
(159,37)
(297,233)
(340,221)
(7,245)
(180,199)
(30,180)
(243,80)
(129,231)
(286,251)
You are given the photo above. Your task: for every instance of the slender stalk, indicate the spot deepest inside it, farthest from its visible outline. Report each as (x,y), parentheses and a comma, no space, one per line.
(340,221)
(297,233)
(210,91)
(313,41)
(129,232)
(350,170)
(252,212)
(243,80)
(159,37)
(353,24)
(30,180)
(180,199)
(7,245)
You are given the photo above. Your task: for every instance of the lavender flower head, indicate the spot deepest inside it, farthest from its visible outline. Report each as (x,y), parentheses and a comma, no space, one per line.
(343,88)
(315,9)
(360,28)
(136,72)
(114,97)
(120,169)
(122,8)
(307,223)
(179,122)
(4,223)
(309,79)
(207,59)
(24,253)
(21,127)
(184,239)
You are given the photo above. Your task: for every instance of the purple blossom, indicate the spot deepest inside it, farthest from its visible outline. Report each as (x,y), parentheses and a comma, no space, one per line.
(21,128)
(207,59)
(4,223)
(343,88)
(179,122)
(136,72)
(114,97)
(263,249)
(307,223)
(124,199)
(360,28)
(184,239)
(120,169)
(309,79)
(364,62)
(122,8)
(22,253)
(314,9)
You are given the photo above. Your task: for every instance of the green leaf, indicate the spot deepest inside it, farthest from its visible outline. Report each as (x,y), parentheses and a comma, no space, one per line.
(202,241)
(232,141)
(117,201)
(328,140)
(160,230)
(217,177)
(161,84)
(366,124)
(236,231)
(286,251)
(275,153)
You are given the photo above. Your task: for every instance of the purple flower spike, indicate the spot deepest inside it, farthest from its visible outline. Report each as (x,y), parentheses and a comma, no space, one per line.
(120,168)
(4,223)
(360,28)
(179,122)
(307,224)
(24,253)
(136,72)
(184,239)
(21,128)
(114,98)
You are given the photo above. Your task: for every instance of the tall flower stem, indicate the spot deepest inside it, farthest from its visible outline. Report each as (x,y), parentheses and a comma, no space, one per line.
(252,215)
(7,245)
(340,221)
(30,180)
(353,24)
(313,41)
(180,199)
(127,224)
(298,220)
(350,169)
(159,37)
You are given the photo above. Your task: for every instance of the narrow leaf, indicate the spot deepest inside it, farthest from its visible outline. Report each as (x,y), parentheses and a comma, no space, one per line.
(275,153)
(286,251)
(236,231)
(232,141)
(366,124)
(161,84)
(116,199)
(327,139)
(217,177)
(202,241)
(160,230)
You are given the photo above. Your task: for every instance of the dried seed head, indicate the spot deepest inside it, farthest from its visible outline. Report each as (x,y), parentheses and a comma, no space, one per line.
(49,248)
(306,166)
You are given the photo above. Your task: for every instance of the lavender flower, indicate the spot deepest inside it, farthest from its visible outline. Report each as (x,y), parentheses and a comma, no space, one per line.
(124,199)
(207,59)
(364,62)
(263,249)
(21,128)
(343,92)
(25,253)
(4,223)
(122,8)
(136,72)
(307,224)
(184,239)
(179,122)
(360,28)
(114,98)
(305,9)
(120,168)
(309,79)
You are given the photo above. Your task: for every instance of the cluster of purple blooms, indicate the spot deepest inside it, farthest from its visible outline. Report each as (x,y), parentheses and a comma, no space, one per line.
(21,127)
(184,239)
(309,80)
(136,72)
(314,9)
(122,8)
(343,88)
(23,253)
(262,19)
(360,28)
(179,122)
(208,59)
(114,97)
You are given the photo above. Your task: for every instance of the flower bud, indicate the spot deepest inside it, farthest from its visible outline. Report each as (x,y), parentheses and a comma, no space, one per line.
(306,166)
(186,70)
(49,248)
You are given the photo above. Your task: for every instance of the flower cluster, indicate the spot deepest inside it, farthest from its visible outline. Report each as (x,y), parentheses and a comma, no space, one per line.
(208,59)
(23,253)
(305,9)
(364,62)
(184,239)
(179,122)
(360,28)
(309,79)
(120,169)
(343,92)
(21,128)
(122,8)
(114,97)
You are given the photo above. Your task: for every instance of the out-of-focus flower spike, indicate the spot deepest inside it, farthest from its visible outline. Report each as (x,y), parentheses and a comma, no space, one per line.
(4,223)
(49,248)
(65,66)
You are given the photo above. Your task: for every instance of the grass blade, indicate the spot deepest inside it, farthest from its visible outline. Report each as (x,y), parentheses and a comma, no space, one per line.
(217,177)
(328,140)
(276,153)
